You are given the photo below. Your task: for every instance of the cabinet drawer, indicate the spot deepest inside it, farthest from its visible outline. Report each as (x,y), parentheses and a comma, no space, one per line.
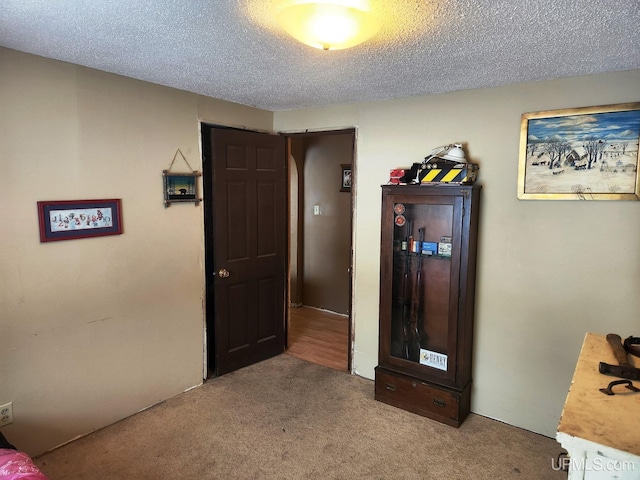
(425,399)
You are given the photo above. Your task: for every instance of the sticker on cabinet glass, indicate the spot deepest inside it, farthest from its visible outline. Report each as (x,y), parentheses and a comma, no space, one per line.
(400,220)
(444,249)
(433,359)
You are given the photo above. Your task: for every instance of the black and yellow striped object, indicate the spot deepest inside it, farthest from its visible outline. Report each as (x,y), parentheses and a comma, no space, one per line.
(435,173)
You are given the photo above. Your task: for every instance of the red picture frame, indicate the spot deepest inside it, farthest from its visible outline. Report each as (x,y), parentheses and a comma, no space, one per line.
(72,219)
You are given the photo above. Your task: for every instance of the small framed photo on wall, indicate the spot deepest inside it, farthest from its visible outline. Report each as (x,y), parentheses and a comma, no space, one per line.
(345,186)
(71,219)
(180,187)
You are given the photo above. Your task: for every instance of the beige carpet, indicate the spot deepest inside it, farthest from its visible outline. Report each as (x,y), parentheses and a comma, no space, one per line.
(286,418)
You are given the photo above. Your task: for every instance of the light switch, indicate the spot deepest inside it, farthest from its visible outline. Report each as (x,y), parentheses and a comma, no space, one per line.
(316,209)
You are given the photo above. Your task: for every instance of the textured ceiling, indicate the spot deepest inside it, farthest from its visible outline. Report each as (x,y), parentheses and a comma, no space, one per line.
(234,50)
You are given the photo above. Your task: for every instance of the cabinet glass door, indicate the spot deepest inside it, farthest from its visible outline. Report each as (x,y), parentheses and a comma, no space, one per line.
(425,279)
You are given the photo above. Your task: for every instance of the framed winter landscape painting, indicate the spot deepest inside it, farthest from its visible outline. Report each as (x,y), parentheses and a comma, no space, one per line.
(588,153)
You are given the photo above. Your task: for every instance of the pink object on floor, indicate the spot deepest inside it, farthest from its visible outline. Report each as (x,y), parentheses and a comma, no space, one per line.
(16,465)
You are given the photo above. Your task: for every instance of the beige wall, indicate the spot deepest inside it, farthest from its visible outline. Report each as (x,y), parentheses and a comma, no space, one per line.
(548,271)
(94,330)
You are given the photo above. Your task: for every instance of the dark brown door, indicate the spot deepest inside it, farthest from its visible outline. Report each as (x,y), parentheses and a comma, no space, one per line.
(249,247)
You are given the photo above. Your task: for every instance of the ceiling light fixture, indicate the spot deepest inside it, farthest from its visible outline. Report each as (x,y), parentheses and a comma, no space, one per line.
(328,26)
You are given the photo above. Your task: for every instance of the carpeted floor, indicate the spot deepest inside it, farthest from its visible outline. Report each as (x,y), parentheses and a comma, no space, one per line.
(285,418)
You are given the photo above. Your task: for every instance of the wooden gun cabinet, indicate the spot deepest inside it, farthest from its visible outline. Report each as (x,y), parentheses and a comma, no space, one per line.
(427,288)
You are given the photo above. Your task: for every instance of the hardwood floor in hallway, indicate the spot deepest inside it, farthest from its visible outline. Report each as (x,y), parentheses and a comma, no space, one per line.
(319,337)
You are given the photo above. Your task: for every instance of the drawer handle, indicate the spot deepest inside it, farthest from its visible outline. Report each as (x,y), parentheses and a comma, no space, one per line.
(388,386)
(439,403)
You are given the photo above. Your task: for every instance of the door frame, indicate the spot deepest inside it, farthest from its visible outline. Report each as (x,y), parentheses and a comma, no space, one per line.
(207,189)
(316,133)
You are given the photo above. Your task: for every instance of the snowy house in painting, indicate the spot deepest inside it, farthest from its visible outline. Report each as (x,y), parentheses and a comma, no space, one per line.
(577,161)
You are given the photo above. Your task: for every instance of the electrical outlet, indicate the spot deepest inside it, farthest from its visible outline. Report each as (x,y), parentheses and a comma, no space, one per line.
(6,414)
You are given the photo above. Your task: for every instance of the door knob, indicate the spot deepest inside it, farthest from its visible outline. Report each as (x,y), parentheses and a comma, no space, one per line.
(223,273)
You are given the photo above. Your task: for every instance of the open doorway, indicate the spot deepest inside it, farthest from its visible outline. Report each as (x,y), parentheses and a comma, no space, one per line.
(320,247)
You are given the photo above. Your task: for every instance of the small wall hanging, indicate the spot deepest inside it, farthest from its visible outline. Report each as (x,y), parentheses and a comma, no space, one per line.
(345,185)
(180,187)
(69,219)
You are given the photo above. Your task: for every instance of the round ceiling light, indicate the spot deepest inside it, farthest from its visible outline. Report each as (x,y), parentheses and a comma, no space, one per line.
(328,26)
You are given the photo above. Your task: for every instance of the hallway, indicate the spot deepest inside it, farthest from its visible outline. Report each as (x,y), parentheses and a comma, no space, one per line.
(319,337)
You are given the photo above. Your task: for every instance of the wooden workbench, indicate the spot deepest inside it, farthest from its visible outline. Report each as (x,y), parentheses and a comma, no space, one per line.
(601,433)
